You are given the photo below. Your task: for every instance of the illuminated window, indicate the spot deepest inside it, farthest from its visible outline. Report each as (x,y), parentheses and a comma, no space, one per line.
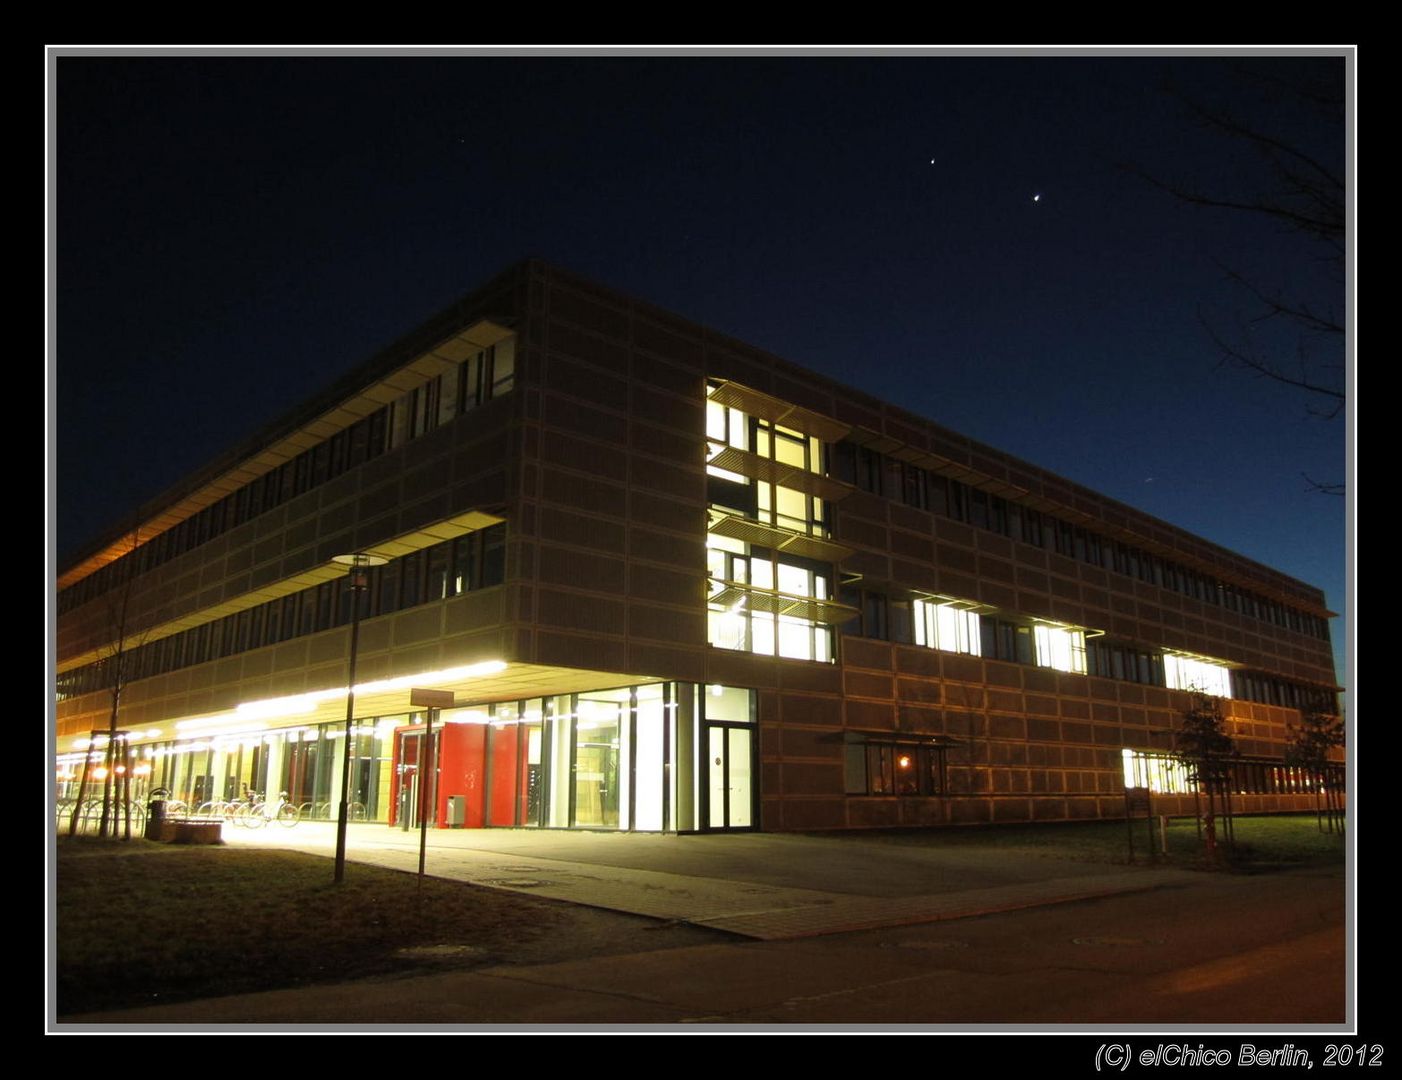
(945,626)
(746,621)
(790,509)
(725,427)
(1188,673)
(774,504)
(756,599)
(1060,648)
(882,768)
(1160,773)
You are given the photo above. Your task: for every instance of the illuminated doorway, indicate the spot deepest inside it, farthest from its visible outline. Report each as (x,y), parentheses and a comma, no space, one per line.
(598,730)
(730,776)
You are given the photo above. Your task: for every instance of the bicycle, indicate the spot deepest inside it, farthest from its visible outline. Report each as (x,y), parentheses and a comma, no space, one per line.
(287,813)
(258,814)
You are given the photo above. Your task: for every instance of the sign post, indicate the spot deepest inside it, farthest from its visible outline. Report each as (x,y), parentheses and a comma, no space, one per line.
(432,700)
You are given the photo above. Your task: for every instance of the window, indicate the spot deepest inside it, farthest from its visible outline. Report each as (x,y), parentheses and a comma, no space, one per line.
(725,427)
(438,571)
(503,366)
(411,580)
(948,626)
(756,602)
(789,509)
(493,556)
(914,488)
(869,470)
(958,501)
(1159,773)
(1190,673)
(1003,640)
(998,515)
(1126,662)
(1061,648)
(874,767)
(876,615)
(1032,527)
(844,462)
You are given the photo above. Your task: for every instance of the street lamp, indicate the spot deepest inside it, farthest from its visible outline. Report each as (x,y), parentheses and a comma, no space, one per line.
(358,577)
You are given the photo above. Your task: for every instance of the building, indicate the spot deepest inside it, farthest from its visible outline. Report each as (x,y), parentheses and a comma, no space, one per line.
(676,583)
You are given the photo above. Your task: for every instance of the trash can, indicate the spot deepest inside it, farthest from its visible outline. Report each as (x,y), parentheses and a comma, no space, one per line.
(457,811)
(156,813)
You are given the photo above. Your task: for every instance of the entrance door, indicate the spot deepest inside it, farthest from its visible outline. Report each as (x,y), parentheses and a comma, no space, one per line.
(596,779)
(411,756)
(730,776)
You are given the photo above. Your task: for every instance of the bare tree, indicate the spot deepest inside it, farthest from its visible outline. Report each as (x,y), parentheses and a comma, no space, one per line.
(114,663)
(1288,328)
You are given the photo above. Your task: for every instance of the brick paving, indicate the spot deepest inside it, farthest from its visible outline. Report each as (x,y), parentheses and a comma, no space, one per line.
(737,903)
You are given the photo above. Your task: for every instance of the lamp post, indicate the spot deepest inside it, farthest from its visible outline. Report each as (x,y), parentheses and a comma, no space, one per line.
(359,579)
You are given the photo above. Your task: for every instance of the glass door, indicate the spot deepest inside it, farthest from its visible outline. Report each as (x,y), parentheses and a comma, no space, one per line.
(415,768)
(596,759)
(730,785)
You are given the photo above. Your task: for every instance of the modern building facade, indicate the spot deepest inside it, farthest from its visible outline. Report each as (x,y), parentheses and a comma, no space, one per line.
(676,584)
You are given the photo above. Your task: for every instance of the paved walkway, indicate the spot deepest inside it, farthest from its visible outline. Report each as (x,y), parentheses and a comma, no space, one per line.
(762,887)
(759,886)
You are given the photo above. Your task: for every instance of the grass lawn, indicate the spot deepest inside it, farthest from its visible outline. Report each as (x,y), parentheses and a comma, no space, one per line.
(141,923)
(1266,840)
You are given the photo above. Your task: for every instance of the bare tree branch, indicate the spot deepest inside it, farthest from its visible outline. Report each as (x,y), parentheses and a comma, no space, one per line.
(1323,488)
(1242,358)
(1322,225)
(1300,311)
(1230,126)
(1306,193)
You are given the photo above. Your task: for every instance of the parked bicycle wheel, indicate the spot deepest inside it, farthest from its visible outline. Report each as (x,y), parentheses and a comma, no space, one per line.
(138,816)
(288,815)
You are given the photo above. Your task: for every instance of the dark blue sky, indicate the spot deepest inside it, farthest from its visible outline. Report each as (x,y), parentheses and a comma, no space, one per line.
(234,233)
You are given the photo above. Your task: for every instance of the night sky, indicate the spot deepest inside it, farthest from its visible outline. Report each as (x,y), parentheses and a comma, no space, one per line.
(971,237)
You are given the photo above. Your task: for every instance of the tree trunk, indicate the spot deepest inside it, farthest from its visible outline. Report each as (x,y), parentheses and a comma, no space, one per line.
(108,821)
(1209,831)
(126,790)
(82,792)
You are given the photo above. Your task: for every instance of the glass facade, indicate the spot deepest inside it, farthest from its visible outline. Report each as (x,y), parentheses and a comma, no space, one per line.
(303,762)
(634,758)
(657,757)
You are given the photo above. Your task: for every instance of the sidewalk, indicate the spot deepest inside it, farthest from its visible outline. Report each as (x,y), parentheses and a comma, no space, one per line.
(761,886)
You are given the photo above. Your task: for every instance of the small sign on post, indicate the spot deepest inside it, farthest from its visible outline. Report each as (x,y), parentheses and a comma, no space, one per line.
(432,700)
